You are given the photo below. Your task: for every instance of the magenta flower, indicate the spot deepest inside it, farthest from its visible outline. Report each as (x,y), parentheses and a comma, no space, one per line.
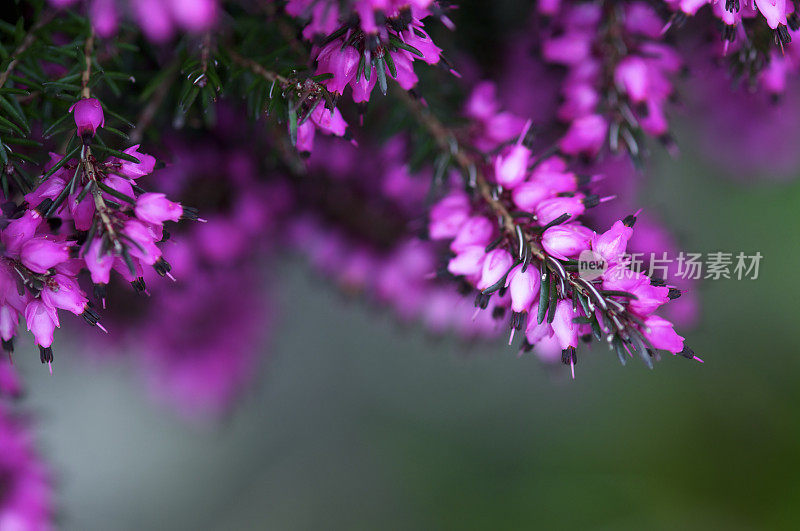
(523,287)
(567,240)
(155,208)
(586,135)
(476,231)
(661,334)
(88,114)
(64,293)
(563,325)
(497,264)
(42,322)
(611,244)
(134,170)
(41,253)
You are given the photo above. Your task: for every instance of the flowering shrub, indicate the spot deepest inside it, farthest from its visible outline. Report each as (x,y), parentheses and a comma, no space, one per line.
(467,196)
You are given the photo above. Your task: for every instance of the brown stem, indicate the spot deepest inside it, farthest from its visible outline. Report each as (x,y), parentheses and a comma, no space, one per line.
(256,68)
(87,70)
(24,45)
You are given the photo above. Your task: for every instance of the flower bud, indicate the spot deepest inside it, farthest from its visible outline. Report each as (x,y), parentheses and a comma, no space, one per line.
(88,114)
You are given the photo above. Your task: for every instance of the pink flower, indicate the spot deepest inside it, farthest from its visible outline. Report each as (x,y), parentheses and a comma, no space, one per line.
(40,254)
(468,262)
(567,240)
(476,231)
(611,244)
(662,335)
(41,322)
(511,166)
(20,230)
(155,208)
(134,170)
(448,215)
(563,326)
(88,114)
(341,62)
(523,287)
(496,265)
(551,209)
(145,249)
(63,292)
(99,264)
(585,135)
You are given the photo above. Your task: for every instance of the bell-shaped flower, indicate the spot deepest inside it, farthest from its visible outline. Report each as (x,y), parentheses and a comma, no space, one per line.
(448,215)
(496,265)
(134,170)
(41,322)
(476,231)
(612,243)
(64,293)
(551,209)
(586,135)
(523,287)
(563,325)
(661,334)
(144,247)
(155,208)
(468,262)
(98,263)
(19,231)
(341,62)
(567,240)
(41,253)
(88,114)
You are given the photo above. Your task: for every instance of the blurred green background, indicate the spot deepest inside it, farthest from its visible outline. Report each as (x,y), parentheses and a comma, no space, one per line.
(359,423)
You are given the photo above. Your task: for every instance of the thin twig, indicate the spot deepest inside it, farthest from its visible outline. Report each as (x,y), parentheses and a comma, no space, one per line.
(88,49)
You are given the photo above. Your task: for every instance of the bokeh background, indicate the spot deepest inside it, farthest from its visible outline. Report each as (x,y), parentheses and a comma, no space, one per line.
(360,423)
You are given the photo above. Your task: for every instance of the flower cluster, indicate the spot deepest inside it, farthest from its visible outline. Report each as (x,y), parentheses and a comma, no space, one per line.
(86,214)
(619,74)
(158,19)
(756,36)
(361,52)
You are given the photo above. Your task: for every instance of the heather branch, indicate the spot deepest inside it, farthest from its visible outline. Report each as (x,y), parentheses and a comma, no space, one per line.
(617,320)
